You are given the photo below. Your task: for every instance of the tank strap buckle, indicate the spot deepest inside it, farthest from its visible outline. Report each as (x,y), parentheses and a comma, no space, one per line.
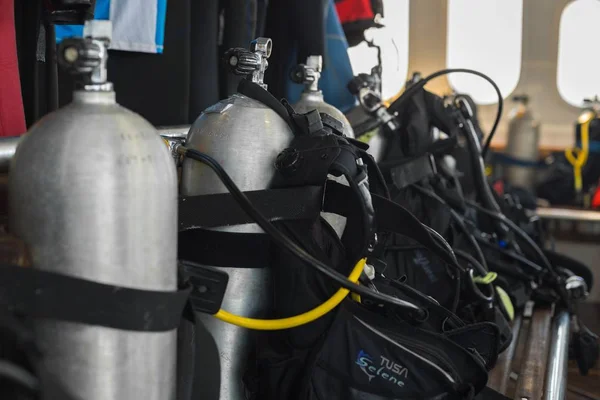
(208,286)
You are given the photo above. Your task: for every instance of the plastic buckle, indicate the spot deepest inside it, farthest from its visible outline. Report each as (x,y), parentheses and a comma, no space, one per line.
(208,286)
(576,287)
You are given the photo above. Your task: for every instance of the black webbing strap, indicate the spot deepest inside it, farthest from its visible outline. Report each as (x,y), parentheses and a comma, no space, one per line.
(412,171)
(43,294)
(281,205)
(225,249)
(275,204)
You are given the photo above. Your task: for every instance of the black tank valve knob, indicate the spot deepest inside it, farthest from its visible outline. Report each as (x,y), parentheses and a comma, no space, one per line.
(288,161)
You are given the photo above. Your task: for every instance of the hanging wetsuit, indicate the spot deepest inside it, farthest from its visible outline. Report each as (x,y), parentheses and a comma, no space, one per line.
(12,118)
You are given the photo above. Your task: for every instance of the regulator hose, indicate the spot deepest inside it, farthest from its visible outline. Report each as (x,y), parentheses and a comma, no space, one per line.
(459,222)
(287,243)
(519,232)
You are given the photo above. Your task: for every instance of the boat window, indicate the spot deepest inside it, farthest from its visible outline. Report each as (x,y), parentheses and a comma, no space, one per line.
(578,59)
(485,36)
(393,39)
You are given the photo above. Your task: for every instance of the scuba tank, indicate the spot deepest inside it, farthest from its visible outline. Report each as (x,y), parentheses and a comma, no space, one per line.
(522,144)
(244,136)
(306,355)
(93,194)
(311,97)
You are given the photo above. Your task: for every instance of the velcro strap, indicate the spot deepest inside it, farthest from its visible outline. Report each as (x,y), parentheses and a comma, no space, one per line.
(412,172)
(275,204)
(43,294)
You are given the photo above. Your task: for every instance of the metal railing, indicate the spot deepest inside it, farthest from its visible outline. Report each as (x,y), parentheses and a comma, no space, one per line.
(8,145)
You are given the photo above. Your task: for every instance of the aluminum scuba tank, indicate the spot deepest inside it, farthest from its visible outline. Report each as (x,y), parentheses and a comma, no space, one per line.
(311,97)
(522,143)
(93,194)
(245,137)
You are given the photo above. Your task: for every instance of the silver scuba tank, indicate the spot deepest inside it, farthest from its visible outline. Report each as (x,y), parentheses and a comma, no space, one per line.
(522,143)
(93,193)
(245,137)
(311,97)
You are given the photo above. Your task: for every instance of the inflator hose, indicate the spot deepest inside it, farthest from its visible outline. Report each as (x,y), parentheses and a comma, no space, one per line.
(300,319)
(478,167)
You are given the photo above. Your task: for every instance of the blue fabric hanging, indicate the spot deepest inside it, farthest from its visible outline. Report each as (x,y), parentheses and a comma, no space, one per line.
(138,25)
(337,70)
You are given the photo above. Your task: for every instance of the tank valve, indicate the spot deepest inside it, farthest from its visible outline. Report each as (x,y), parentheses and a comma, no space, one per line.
(309,73)
(577,287)
(250,63)
(86,57)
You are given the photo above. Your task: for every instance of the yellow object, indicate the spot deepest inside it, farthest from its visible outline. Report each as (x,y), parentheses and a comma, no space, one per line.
(506,302)
(355,297)
(366,138)
(487,279)
(577,157)
(301,319)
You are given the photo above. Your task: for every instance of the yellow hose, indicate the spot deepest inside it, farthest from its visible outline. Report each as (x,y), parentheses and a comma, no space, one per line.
(300,319)
(577,157)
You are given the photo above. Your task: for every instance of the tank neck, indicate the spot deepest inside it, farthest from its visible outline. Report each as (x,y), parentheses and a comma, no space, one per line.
(312,73)
(312,87)
(93,97)
(313,95)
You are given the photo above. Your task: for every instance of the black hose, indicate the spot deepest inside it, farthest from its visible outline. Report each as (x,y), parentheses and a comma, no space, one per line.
(478,168)
(520,259)
(440,239)
(459,221)
(476,291)
(287,243)
(471,260)
(522,234)
(18,374)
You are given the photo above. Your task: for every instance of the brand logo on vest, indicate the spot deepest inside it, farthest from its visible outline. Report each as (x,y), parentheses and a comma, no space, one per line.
(425,264)
(387,369)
